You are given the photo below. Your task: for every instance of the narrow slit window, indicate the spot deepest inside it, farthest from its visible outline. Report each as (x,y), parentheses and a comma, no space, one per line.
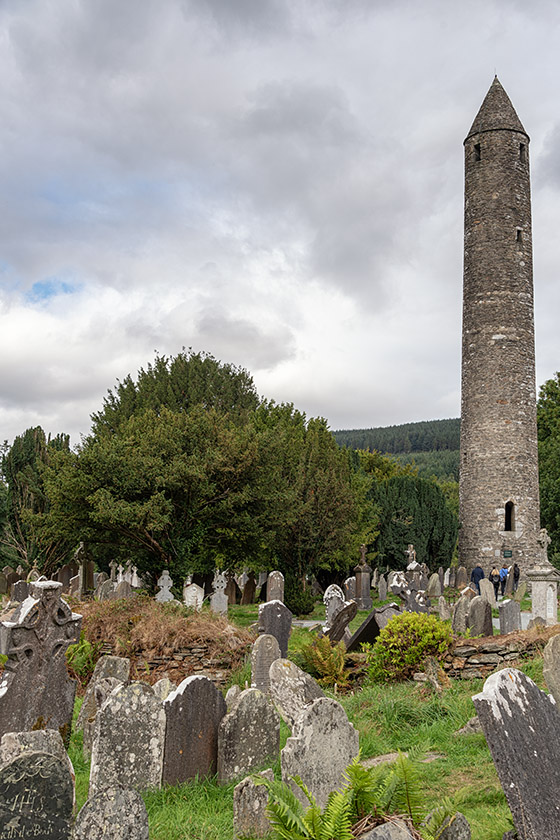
(519,235)
(509,524)
(523,153)
(477,151)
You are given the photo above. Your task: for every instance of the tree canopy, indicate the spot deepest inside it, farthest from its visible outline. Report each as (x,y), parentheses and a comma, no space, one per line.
(548,424)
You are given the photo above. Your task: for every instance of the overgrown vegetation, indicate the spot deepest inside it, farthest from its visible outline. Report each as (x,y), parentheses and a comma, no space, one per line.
(404,643)
(326,662)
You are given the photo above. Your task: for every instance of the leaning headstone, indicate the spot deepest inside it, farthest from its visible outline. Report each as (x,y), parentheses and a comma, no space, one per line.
(218,599)
(117,812)
(292,690)
(487,591)
(36,797)
(249,808)
(275,587)
(551,667)
(322,746)
(520,723)
(366,633)
(35,690)
(266,650)
(383,615)
(164,583)
(461,579)
(193,596)
(276,619)
(479,619)
(350,588)
(519,593)
(460,615)
(193,714)
(382,588)
(232,589)
(106,666)
(510,616)
(340,622)
(433,589)
(248,736)
(128,739)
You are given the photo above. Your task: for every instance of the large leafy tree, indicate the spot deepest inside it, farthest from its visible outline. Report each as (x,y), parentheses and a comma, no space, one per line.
(548,423)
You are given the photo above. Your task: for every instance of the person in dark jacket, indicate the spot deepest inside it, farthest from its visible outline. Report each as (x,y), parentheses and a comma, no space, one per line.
(476,576)
(516,573)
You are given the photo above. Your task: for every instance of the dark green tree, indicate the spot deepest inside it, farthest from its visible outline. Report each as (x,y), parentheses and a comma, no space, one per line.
(548,423)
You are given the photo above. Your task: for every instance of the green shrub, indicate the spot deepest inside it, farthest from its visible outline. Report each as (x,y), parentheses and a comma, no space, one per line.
(81,659)
(326,661)
(297,599)
(404,643)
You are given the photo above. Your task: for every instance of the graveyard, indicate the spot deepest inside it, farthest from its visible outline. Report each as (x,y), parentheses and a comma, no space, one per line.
(181,718)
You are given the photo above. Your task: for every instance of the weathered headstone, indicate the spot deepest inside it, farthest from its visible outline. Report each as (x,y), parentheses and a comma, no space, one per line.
(383,615)
(106,591)
(443,609)
(433,590)
(323,744)
(333,600)
(232,589)
(266,650)
(362,573)
(101,691)
(520,724)
(452,578)
(193,596)
(4,589)
(248,736)
(551,667)
(508,591)
(340,622)
(479,620)
(35,691)
(117,812)
(275,587)
(128,739)
(519,593)
(292,690)
(163,688)
(510,616)
(106,666)
(350,588)
(446,577)
(249,808)
(249,590)
(382,588)
(461,615)
(36,797)
(276,619)
(455,827)
(487,591)
(193,714)
(232,696)
(461,579)
(218,599)
(366,633)
(14,744)
(123,590)
(164,583)
(20,591)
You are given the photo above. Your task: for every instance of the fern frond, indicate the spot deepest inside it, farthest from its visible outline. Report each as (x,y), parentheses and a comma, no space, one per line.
(285,812)
(336,822)
(405,789)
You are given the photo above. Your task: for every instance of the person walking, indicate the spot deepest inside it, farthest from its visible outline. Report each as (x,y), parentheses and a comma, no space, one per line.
(516,574)
(494,578)
(476,576)
(503,578)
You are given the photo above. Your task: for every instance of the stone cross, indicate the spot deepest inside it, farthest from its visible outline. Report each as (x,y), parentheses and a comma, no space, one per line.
(165,583)
(120,575)
(219,600)
(113,567)
(35,691)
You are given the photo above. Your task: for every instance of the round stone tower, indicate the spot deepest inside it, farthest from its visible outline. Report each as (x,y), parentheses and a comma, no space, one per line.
(498,485)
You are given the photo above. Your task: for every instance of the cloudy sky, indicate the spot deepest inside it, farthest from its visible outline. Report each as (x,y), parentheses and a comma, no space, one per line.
(276,182)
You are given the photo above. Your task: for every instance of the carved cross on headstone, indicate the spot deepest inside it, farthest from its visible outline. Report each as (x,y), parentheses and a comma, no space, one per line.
(362,555)
(544,541)
(165,583)
(113,567)
(35,691)
(120,573)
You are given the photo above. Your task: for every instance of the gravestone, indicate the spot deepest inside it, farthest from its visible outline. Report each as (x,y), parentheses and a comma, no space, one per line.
(487,591)
(135,580)
(382,588)
(374,578)
(249,590)
(551,667)
(366,633)
(4,589)
(433,590)
(232,696)
(510,616)
(14,744)
(113,570)
(163,688)
(164,583)
(292,690)
(266,650)
(35,691)
(508,591)
(350,588)
(520,723)
(275,587)
(452,578)
(249,808)
(456,827)
(333,599)
(479,620)
(362,573)
(103,688)
(128,740)
(459,622)
(341,621)
(461,579)
(106,591)
(218,599)
(117,812)
(36,797)
(323,744)
(231,589)
(193,596)
(248,736)
(123,590)
(193,714)
(520,592)
(441,573)
(106,666)
(20,591)
(384,614)
(276,619)
(446,577)
(443,609)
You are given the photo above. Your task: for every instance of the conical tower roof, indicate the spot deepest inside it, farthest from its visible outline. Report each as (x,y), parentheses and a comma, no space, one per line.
(496,112)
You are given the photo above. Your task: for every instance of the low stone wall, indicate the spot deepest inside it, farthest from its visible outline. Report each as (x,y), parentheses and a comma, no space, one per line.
(477,658)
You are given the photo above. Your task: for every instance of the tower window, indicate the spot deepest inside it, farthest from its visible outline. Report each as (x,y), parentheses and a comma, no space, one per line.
(477,151)
(523,153)
(519,235)
(509,524)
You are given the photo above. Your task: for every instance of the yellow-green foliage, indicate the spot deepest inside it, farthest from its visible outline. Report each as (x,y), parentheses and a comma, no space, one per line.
(404,643)
(325,661)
